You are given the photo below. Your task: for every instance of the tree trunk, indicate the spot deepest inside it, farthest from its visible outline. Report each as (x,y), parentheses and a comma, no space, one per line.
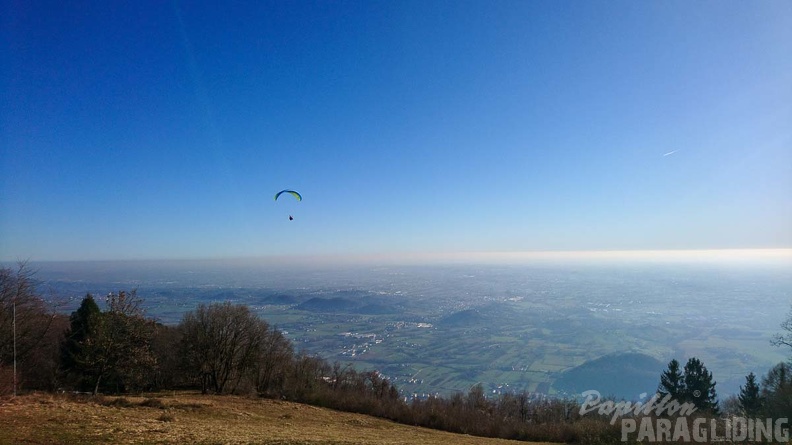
(96,388)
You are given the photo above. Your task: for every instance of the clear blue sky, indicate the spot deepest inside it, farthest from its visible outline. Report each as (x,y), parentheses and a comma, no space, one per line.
(154,129)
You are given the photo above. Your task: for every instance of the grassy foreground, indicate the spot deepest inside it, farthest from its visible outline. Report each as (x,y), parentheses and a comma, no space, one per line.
(197,419)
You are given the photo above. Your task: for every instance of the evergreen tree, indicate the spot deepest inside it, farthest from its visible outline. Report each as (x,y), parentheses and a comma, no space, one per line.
(699,386)
(750,402)
(776,391)
(672,382)
(82,326)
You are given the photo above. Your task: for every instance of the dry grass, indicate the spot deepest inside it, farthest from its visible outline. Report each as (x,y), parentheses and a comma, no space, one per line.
(196,419)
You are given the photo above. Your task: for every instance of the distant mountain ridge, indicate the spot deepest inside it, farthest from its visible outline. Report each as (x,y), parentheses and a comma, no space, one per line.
(363,304)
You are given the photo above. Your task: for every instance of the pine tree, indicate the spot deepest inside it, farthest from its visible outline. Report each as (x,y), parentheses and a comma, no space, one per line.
(750,402)
(672,382)
(776,391)
(699,386)
(83,326)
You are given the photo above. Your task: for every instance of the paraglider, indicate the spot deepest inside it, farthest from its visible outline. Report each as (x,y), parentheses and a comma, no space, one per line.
(296,195)
(291,192)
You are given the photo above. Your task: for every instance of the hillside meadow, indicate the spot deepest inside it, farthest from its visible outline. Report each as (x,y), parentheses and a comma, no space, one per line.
(180,418)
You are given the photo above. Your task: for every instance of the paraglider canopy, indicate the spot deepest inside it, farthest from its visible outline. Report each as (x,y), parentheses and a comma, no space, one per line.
(291,192)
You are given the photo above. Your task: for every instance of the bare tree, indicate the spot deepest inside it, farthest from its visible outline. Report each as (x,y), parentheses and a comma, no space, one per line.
(305,376)
(25,320)
(785,338)
(220,343)
(272,364)
(117,350)
(135,362)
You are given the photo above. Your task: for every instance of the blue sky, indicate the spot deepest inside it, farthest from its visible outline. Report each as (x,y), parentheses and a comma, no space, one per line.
(141,130)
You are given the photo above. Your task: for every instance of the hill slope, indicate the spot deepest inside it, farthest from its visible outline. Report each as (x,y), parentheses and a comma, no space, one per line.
(619,375)
(197,419)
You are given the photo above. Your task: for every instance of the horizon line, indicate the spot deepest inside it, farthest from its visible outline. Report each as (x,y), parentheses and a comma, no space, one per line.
(465,256)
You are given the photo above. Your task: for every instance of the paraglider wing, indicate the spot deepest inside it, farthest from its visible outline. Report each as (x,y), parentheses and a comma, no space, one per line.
(291,192)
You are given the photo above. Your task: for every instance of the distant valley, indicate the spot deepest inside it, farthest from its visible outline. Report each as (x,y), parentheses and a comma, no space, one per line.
(555,329)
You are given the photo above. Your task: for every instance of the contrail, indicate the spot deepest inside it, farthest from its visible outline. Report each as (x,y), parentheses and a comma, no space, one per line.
(670,153)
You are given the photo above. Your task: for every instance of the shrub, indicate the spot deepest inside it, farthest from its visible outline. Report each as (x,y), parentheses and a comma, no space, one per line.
(166,417)
(153,403)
